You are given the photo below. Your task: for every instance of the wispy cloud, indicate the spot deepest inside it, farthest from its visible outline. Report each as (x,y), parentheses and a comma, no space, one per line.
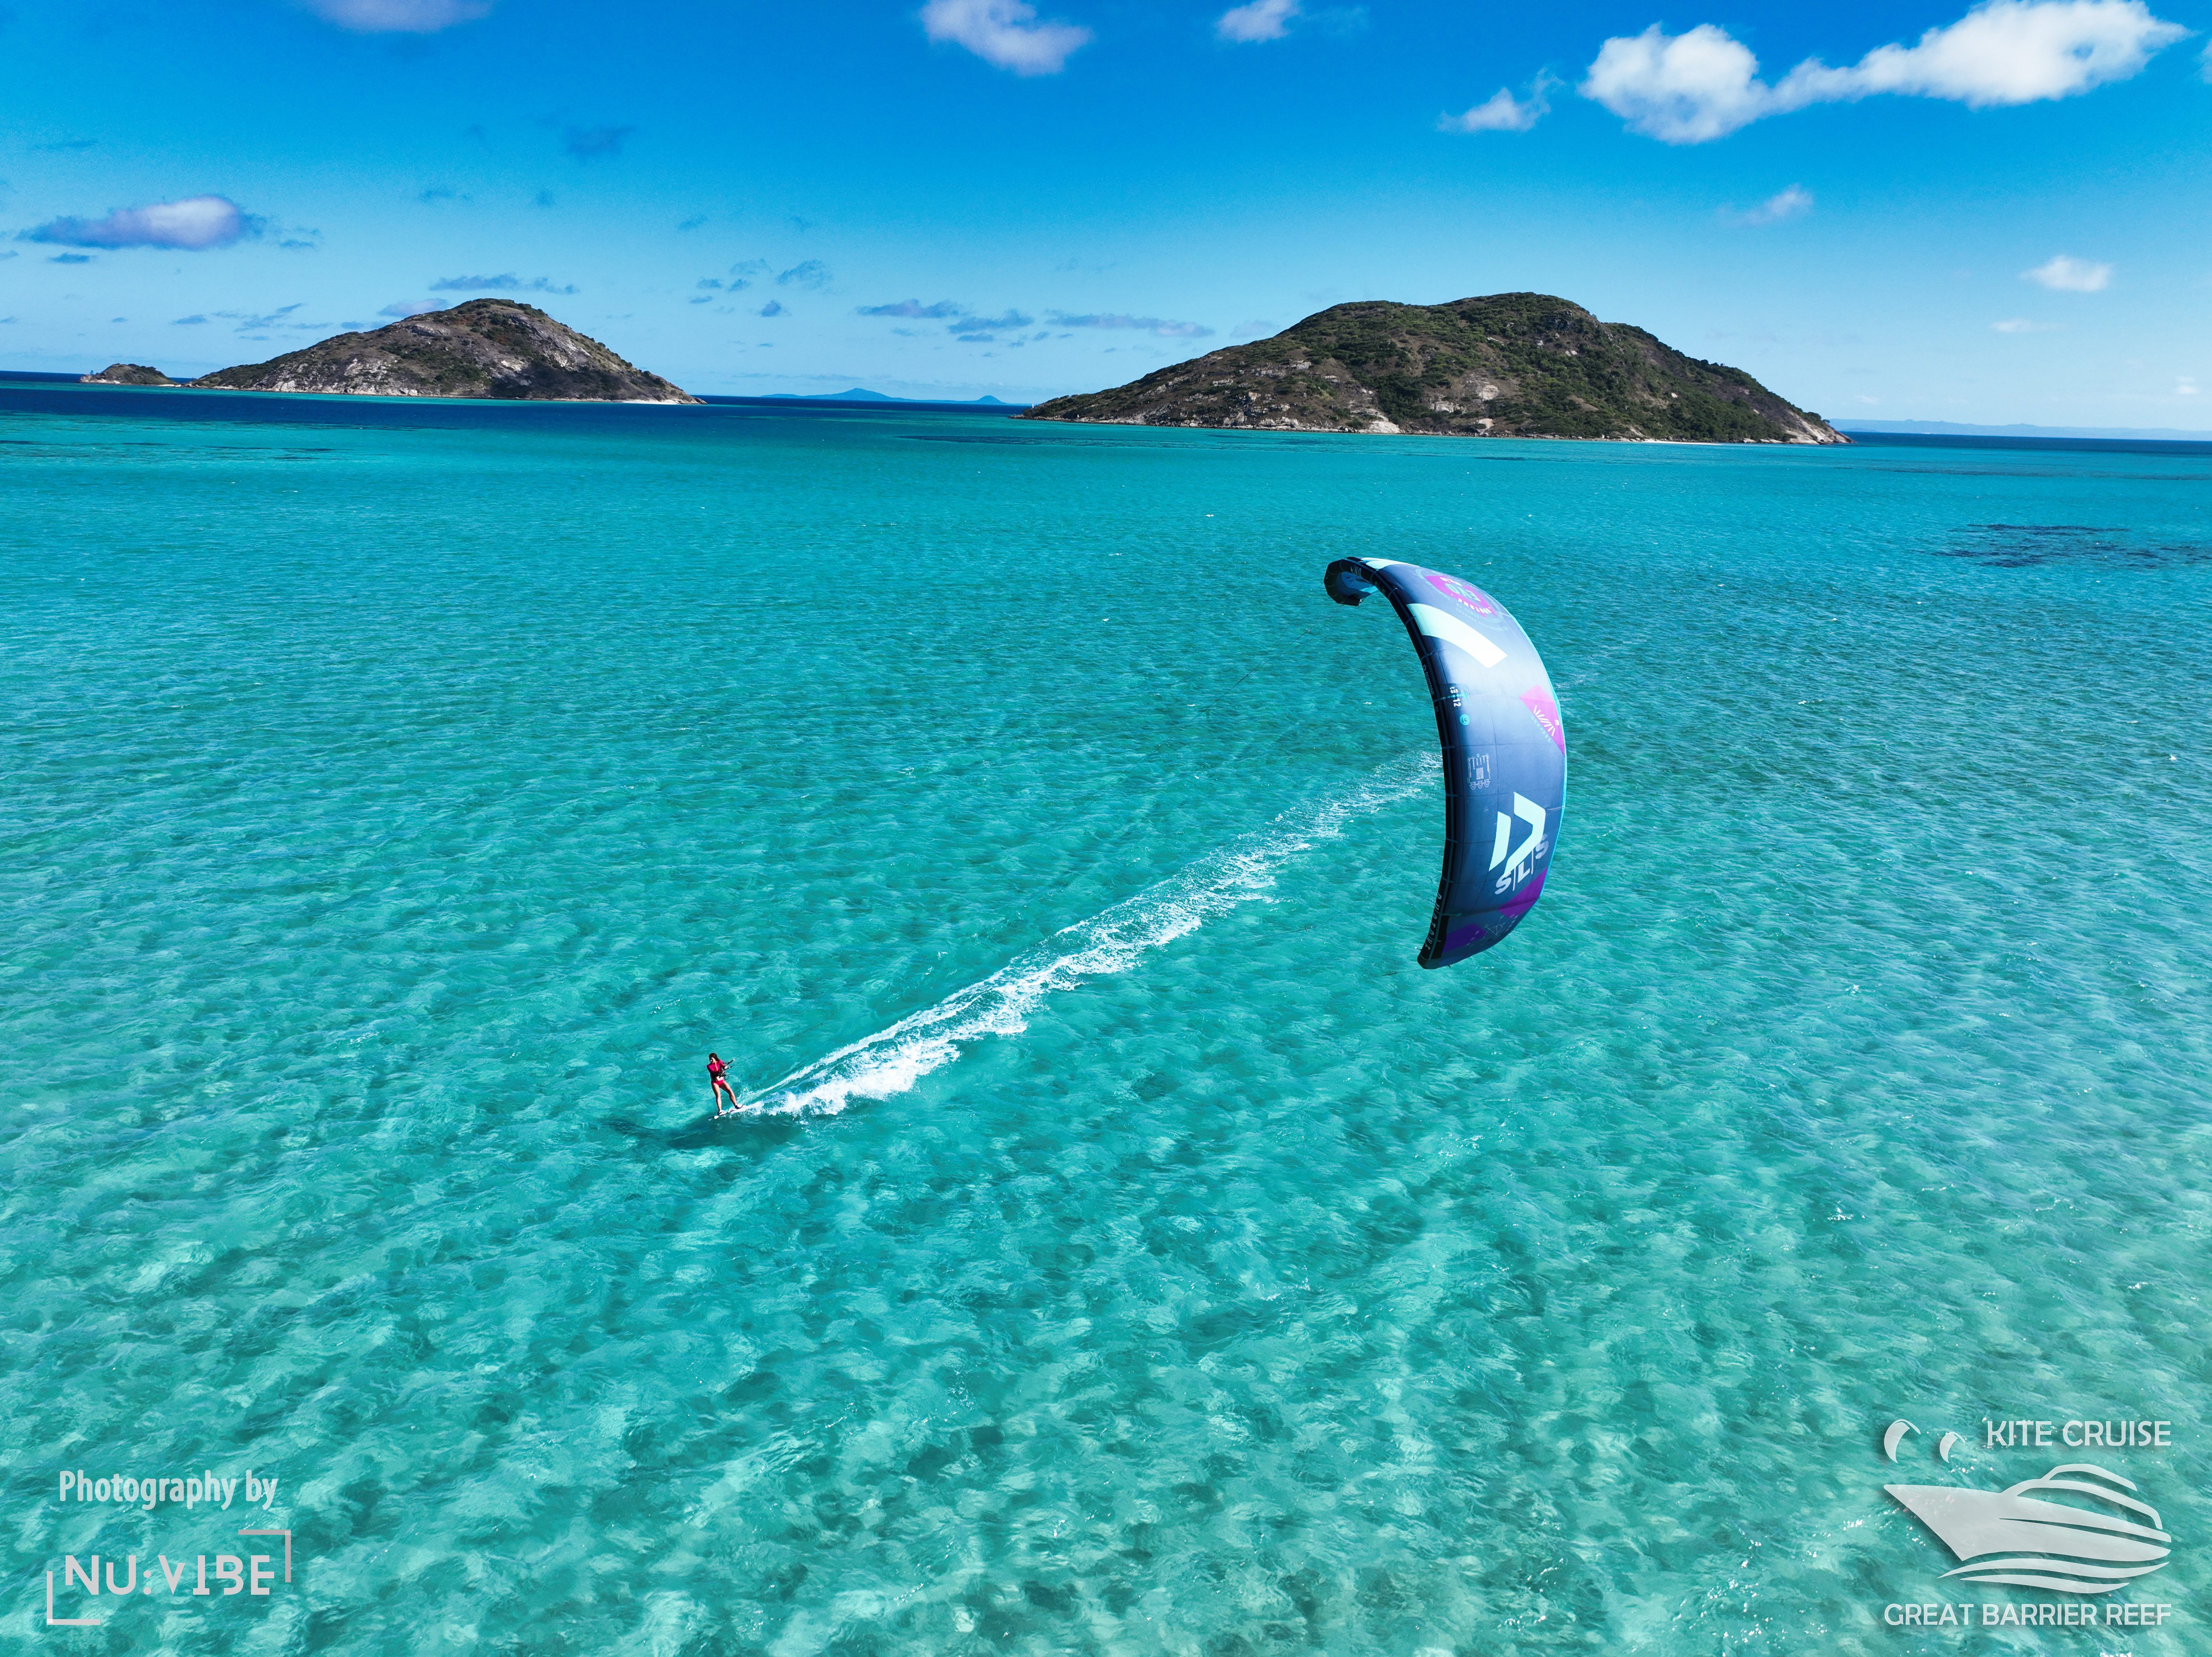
(398,17)
(1262,20)
(188,322)
(506,282)
(1793,203)
(2184,385)
(2022,325)
(248,322)
(2068,276)
(404,308)
(812,273)
(1703,83)
(70,258)
(191,225)
(592,143)
(1504,112)
(912,307)
(438,192)
(1005,33)
(985,330)
(1159,325)
(1258,328)
(773,308)
(68,144)
(693,222)
(961,322)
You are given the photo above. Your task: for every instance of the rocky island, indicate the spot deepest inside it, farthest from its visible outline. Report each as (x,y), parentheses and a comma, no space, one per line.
(1503,365)
(488,347)
(126,373)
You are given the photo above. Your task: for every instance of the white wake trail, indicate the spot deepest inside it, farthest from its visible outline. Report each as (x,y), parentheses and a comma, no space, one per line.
(893,1059)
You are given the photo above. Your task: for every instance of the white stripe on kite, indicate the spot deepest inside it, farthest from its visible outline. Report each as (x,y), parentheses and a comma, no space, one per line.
(1438,625)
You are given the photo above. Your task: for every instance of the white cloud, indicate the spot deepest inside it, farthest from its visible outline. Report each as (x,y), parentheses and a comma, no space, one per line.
(1793,203)
(2185,385)
(2008,52)
(1703,83)
(194,223)
(398,17)
(1680,88)
(1262,20)
(2022,325)
(1005,33)
(1504,112)
(2066,276)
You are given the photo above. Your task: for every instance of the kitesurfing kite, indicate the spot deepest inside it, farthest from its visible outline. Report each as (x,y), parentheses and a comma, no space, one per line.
(1505,749)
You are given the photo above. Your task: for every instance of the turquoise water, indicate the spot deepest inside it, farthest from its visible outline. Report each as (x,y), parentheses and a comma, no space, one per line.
(1126,1247)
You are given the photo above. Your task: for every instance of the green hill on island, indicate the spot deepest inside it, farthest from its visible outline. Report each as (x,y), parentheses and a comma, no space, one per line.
(1504,365)
(488,347)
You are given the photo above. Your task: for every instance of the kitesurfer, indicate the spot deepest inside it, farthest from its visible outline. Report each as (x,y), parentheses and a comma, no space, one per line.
(719,1074)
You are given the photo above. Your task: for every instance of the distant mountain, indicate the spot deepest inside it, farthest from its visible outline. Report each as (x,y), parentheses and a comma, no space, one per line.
(859,394)
(1505,365)
(1947,429)
(488,347)
(127,374)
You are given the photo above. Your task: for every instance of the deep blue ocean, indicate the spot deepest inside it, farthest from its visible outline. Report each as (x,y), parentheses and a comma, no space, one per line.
(1124,1247)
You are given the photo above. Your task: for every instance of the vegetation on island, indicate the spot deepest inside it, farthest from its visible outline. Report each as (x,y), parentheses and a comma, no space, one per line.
(1503,365)
(488,347)
(126,373)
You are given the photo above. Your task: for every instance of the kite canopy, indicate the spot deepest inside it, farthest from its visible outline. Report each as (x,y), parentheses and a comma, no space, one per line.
(1505,749)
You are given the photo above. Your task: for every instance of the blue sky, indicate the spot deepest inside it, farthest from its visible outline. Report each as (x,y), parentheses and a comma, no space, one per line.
(1889,212)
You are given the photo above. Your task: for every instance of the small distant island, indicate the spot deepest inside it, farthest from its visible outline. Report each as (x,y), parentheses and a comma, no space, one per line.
(488,347)
(126,373)
(1501,365)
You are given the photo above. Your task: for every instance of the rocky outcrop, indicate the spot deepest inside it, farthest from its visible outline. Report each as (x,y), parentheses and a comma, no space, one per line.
(127,374)
(1504,365)
(488,347)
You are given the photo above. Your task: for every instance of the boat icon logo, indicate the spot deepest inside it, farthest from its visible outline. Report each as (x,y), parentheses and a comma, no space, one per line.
(2042,1532)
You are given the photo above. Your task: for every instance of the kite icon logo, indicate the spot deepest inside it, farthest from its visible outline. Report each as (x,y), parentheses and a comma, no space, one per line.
(1522,863)
(2025,1537)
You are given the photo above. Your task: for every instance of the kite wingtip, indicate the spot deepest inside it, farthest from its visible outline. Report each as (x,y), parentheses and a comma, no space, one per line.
(1346,581)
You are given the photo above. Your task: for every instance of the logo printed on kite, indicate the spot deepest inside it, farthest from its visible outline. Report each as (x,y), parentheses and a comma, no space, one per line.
(1468,593)
(1538,701)
(1523,861)
(1478,773)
